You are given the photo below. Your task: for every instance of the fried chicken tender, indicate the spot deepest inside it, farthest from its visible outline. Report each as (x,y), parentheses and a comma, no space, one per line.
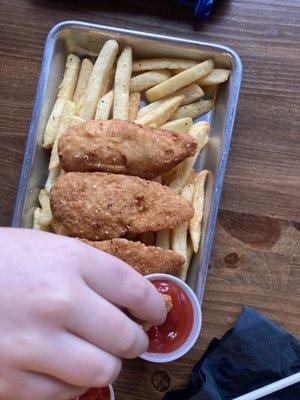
(100,206)
(123,147)
(144,259)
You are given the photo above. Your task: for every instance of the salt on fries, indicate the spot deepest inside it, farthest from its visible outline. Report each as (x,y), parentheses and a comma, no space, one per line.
(104,106)
(67,114)
(198,203)
(195,109)
(142,82)
(162,113)
(162,63)
(98,79)
(179,81)
(134,103)
(178,125)
(83,78)
(180,174)
(191,93)
(174,88)
(122,84)
(179,238)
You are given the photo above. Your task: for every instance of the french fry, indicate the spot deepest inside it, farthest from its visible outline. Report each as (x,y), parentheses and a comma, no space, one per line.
(79,105)
(198,203)
(181,173)
(191,92)
(162,113)
(104,106)
(68,84)
(142,82)
(180,233)
(67,114)
(98,79)
(134,103)
(122,84)
(38,220)
(181,125)
(149,107)
(163,239)
(153,125)
(162,63)
(189,255)
(215,77)
(52,177)
(110,82)
(42,216)
(179,81)
(84,74)
(75,120)
(45,204)
(195,109)
(53,123)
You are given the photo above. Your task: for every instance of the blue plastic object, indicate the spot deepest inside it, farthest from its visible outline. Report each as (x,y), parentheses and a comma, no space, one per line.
(201,8)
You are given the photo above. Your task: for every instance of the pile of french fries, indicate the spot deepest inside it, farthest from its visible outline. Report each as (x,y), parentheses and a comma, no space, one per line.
(175,91)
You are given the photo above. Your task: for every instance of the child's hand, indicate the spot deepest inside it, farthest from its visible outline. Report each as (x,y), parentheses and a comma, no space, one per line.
(61,326)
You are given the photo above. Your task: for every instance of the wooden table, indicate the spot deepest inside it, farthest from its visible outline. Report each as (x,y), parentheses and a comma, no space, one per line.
(256,250)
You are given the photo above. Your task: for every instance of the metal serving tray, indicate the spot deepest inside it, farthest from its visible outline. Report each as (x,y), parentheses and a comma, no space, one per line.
(86,39)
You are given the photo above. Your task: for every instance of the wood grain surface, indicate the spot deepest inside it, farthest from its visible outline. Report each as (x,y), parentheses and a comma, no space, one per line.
(256,253)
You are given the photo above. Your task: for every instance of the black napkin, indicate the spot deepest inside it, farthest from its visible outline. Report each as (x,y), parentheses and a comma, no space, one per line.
(255,353)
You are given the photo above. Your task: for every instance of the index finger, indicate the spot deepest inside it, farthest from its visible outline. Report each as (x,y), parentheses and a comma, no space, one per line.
(120,284)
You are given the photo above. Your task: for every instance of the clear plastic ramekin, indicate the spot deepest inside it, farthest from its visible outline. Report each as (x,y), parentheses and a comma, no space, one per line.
(196,327)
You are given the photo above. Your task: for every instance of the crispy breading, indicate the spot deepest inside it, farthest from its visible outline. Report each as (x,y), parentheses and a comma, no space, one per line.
(144,259)
(99,206)
(123,147)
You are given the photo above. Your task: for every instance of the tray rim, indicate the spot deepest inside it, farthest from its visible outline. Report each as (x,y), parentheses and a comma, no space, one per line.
(224,150)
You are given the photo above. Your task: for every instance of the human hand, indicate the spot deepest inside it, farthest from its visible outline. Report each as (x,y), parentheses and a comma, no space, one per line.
(61,326)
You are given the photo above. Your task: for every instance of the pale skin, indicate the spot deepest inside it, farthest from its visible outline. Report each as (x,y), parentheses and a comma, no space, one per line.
(62,328)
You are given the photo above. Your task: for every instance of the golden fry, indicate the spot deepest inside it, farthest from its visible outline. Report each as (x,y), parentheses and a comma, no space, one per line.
(215,77)
(122,83)
(179,81)
(84,74)
(134,103)
(98,78)
(182,172)
(104,106)
(52,177)
(198,203)
(67,114)
(142,82)
(53,123)
(162,63)
(195,109)
(68,84)
(178,125)
(162,113)
(186,265)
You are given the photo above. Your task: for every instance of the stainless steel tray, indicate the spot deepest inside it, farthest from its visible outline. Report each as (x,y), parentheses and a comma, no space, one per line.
(86,39)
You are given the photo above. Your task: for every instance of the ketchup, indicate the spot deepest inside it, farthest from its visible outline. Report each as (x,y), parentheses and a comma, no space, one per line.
(176,329)
(96,394)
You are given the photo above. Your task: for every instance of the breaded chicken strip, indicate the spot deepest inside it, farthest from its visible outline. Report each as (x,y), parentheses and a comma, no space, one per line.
(99,206)
(123,147)
(144,259)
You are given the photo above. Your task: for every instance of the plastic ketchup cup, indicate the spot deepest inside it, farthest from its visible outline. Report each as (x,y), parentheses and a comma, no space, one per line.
(106,393)
(177,335)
